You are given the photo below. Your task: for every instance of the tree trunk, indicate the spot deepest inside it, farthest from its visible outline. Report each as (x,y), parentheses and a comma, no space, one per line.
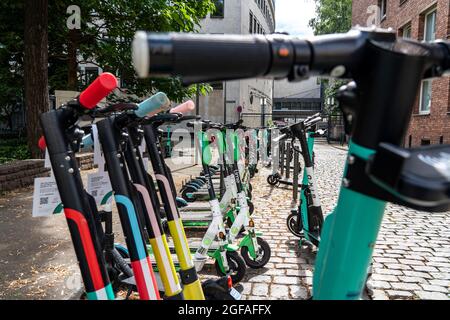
(72,62)
(35,70)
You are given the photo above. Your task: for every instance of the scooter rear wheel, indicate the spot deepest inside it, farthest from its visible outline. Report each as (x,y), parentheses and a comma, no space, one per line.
(292,224)
(188,190)
(263,255)
(236,264)
(272,180)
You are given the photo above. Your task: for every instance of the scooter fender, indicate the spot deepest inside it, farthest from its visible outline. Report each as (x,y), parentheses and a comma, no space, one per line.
(231,247)
(217,254)
(247,242)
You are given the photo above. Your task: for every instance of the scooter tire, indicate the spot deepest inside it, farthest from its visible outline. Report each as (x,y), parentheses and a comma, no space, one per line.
(237,266)
(264,249)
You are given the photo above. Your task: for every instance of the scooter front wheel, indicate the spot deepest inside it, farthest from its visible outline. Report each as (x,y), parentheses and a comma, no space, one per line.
(292,224)
(262,256)
(273,180)
(236,264)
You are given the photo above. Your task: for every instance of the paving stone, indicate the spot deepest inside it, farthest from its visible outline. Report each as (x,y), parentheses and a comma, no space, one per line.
(386,260)
(300,273)
(374,284)
(260,289)
(404,286)
(423,275)
(397,266)
(277,272)
(379,295)
(298,292)
(428,295)
(247,288)
(384,277)
(261,278)
(286,280)
(443,283)
(279,291)
(435,288)
(424,268)
(398,294)
(412,279)
(388,271)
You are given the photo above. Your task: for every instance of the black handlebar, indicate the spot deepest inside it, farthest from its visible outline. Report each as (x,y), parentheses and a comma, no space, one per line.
(205,57)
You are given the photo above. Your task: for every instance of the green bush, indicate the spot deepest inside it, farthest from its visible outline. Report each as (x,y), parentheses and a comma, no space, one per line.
(13,149)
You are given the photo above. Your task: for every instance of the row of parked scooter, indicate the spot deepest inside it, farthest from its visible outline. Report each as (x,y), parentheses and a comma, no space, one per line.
(157,260)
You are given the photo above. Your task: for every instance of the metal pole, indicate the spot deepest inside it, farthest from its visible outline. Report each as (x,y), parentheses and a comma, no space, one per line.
(225,102)
(197,101)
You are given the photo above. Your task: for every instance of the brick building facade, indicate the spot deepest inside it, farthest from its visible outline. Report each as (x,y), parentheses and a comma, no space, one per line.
(423,20)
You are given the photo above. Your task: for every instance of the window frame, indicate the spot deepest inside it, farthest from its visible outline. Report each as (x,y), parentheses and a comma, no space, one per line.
(421,110)
(407,26)
(383,9)
(427,14)
(213,16)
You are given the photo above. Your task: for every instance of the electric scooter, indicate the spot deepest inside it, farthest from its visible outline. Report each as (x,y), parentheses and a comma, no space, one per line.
(227,260)
(307,220)
(62,137)
(387,74)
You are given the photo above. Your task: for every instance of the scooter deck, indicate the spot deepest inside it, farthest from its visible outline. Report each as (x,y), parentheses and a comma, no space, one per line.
(196,216)
(197,206)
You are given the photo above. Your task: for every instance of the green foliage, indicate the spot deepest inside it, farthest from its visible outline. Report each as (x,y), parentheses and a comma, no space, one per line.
(107,30)
(13,149)
(331,88)
(11,58)
(332,16)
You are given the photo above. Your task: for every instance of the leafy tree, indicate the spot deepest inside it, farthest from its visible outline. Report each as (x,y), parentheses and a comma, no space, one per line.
(104,38)
(11,58)
(332,16)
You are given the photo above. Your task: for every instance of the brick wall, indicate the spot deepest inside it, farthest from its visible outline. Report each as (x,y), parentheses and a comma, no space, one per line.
(20,174)
(399,14)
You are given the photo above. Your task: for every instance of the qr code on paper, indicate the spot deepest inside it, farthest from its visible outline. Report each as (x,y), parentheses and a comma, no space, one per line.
(43,200)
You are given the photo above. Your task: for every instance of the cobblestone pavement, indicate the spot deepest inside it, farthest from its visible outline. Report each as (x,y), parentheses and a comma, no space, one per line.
(411,258)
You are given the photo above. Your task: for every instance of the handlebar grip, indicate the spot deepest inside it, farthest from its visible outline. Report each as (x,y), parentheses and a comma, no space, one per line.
(183,108)
(313,121)
(98,90)
(156,103)
(200,57)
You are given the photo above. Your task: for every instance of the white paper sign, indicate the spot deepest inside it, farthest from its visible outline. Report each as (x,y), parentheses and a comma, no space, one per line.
(99,186)
(46,199)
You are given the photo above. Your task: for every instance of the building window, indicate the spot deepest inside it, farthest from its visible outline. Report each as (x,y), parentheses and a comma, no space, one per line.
(88,75)
(425,97)
(382,4)
(219,12)
(250,28)
(406,31)
(426,89)
(217,85)
(430,26)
